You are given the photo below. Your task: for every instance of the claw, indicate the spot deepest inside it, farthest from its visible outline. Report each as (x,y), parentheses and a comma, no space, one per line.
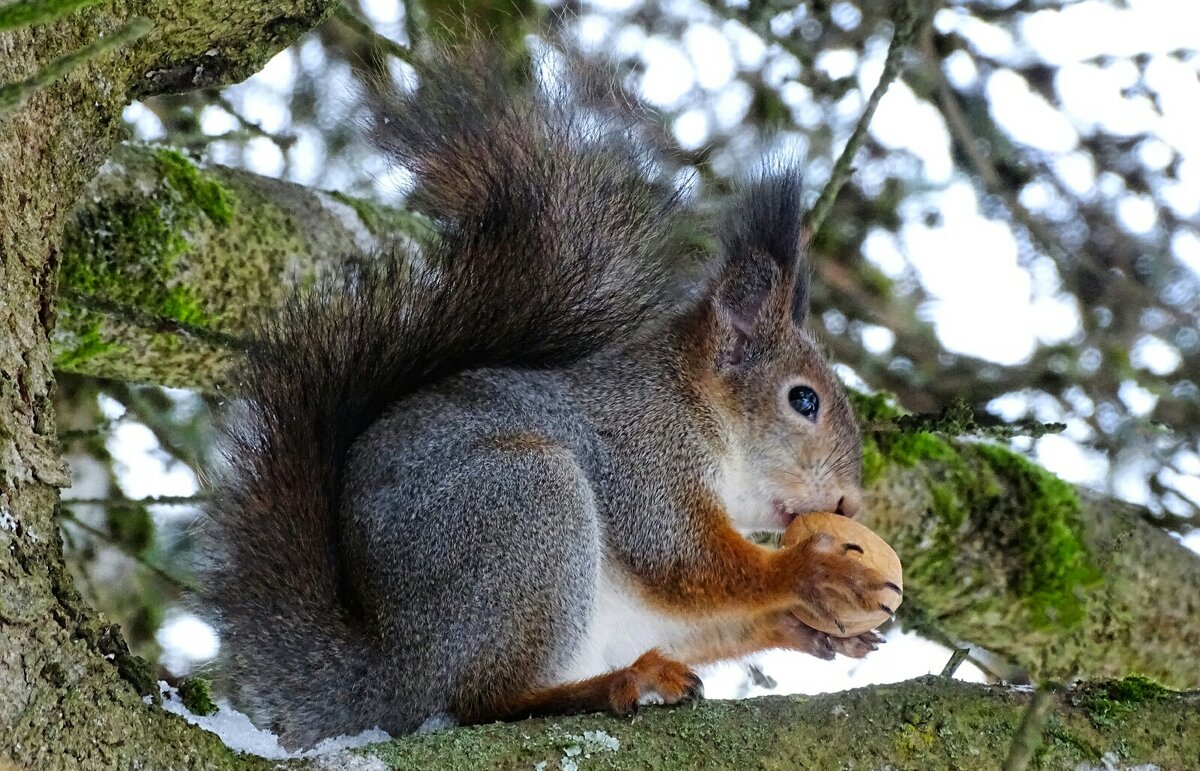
(894,588)
(695,689)
(854,547)
(886,609)
(841,628)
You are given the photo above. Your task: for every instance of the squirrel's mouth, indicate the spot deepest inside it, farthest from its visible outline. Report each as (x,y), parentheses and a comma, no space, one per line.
(785,514)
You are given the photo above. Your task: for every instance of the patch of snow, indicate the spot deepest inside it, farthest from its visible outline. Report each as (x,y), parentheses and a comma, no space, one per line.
(350,219)
(439,721)
(1109,761)
(590,743)
(238,733)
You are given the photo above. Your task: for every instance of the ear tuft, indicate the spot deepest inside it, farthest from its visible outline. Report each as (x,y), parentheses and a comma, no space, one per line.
(761,239)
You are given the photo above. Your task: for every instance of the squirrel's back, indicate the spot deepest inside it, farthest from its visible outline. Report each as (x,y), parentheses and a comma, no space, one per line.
(555,237)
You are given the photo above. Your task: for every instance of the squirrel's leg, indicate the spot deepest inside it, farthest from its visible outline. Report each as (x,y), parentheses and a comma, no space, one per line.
(653,675)
(480,556)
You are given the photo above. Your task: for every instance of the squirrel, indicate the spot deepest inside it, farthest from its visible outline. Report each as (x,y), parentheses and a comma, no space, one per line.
(515,474)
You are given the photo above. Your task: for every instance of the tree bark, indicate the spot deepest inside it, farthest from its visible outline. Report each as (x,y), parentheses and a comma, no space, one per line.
(998,553)
(70,695)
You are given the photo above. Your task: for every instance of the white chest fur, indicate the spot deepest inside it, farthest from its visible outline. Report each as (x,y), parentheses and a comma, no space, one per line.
(621,628)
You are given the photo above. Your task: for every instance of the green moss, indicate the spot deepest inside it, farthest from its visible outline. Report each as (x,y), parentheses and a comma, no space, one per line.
(130,526)
(985,493)
(912,449)
(182,303)
(196,694)
(197,189)
(1057,566)
(946,504)
(125,247)
(874,408)
(873,463)
(1107,701)
(870,409)
(88,344)
(385,220)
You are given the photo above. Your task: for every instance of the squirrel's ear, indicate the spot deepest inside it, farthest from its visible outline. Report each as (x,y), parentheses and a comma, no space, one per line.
(765,278)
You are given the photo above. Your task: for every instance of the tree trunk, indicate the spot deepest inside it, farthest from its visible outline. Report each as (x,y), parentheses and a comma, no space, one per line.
(70,695)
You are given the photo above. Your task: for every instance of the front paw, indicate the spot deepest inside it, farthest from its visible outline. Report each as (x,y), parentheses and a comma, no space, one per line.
(797,635)
(836,592)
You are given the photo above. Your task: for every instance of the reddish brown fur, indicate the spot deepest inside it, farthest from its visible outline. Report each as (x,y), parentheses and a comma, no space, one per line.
(618,691)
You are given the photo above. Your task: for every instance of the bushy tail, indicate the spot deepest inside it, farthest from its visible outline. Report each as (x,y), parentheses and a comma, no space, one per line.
(554,239)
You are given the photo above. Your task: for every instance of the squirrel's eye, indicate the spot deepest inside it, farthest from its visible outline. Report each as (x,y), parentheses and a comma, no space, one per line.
(805,401)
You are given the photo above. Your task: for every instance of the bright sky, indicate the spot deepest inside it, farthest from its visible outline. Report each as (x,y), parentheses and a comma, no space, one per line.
(986,301)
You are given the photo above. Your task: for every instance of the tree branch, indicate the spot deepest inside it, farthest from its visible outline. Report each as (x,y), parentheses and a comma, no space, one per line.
(164,265)
(928,723)
(70,691)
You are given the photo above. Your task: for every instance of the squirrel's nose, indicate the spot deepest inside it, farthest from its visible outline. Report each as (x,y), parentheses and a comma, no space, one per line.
(849,505)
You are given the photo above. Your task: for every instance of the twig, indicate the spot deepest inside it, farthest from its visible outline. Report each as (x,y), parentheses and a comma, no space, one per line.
(139,404)
(284,141)
(905,24)
(956,659)
(933,632)
(355,23)
(155,322)
(1029,733)
(415,20)
(169,578)
(152,500)
(25,13)
(14,95)
(958,419)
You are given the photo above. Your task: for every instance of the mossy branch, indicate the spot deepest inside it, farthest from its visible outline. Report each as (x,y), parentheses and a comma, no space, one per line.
(931,723)
(1003,555)
(14,95)
(958,419)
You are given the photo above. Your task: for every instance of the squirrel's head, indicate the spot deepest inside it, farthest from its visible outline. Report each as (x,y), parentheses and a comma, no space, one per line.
(792,443)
